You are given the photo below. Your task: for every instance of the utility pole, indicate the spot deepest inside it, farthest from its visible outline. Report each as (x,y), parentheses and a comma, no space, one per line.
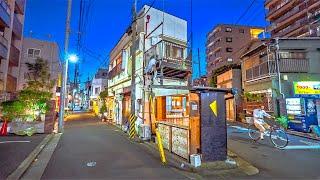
(65,69)
(199,65)
(133,55)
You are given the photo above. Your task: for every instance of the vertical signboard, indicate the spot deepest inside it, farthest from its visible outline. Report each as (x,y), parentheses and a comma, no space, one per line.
(213,126)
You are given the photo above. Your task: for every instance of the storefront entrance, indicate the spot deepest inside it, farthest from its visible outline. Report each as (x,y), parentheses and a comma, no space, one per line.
(230,111)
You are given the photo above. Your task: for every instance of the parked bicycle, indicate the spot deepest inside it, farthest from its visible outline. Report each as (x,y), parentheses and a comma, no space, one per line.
(277,135)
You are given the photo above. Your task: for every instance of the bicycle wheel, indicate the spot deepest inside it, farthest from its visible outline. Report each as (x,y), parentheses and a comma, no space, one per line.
(279,138)
(254,132)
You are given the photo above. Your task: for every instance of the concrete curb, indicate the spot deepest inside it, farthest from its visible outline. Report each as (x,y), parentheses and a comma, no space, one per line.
(302,135)
(244,165)
(27,162)
(37,168)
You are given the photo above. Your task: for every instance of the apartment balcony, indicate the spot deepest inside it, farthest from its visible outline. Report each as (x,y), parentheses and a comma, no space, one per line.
(291,28)
(4,14)
(11,83)
(280,11)
(294,65)
(14,56)
(19,6)
(17,27)
(115,71)
(268,69)
(261,71)
(3,47)
(172,65)
(267,3)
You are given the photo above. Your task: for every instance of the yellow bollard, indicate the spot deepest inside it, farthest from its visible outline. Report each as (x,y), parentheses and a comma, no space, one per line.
(160,147)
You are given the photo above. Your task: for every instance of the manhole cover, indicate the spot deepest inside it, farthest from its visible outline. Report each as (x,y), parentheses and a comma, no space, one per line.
(91,164)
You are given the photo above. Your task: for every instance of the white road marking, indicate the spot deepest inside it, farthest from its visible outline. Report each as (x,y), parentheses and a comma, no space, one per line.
(309,143)
(91,164)
(4,142)
(302,147)
(240,128)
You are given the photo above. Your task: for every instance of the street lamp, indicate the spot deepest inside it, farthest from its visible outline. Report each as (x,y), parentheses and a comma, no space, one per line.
(72,58)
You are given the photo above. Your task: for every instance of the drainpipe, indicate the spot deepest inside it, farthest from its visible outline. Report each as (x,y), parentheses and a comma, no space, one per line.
(278,67)
(143,67)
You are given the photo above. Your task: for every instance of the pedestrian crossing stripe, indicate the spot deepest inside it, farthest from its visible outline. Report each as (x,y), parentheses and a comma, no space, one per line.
(132,120)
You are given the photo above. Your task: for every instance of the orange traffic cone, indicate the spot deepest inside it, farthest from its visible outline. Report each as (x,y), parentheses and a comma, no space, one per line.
(4,128)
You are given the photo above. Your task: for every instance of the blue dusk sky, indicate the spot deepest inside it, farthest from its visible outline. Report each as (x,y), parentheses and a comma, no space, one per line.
(108,19)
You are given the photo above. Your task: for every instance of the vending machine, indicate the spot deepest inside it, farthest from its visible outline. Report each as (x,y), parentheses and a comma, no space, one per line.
(302,113)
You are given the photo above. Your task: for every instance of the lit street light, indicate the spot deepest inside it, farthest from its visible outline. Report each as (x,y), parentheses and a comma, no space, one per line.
(72,58)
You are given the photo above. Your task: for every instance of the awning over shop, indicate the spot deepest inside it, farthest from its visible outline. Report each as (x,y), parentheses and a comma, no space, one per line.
(169,92)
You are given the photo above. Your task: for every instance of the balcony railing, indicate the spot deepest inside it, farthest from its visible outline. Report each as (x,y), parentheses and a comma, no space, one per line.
(20,6)
(3,47)
(4,13)
(264,70)
(276,11)
(175,63)
(268,69)
(17,27)
(14,56)
(294,65)
(115,71)
(292,27)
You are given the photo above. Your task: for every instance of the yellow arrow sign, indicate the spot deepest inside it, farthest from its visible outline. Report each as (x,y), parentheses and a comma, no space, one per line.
(214,108)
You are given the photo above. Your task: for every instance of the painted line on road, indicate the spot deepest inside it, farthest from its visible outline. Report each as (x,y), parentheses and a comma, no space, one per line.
(4,142)
(302,147)
(309,143)
(239,128)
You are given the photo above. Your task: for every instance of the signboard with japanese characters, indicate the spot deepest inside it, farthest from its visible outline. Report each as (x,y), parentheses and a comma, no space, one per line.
(307,88)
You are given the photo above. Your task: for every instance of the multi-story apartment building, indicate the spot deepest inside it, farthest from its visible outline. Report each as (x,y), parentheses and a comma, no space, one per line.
(225,42)
(11,35)
(298,61)
(46,50)
(293,18)
(161,60)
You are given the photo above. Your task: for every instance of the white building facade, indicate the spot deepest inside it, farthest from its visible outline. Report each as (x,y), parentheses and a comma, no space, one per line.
(161,37)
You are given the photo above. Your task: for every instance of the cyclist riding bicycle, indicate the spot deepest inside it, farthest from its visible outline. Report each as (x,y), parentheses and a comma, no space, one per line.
(258,115)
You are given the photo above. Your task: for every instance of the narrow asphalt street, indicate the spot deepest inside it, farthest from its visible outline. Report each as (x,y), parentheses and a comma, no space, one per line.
(300,160)
(90,149)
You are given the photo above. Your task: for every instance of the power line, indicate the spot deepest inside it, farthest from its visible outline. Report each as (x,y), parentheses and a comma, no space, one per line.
(245,12)
(141,16)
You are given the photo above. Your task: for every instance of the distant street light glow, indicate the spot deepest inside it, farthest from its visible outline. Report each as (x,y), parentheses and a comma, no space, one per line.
(73,58)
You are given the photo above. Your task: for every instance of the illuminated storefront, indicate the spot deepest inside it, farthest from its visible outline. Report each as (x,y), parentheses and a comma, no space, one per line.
(179,131)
